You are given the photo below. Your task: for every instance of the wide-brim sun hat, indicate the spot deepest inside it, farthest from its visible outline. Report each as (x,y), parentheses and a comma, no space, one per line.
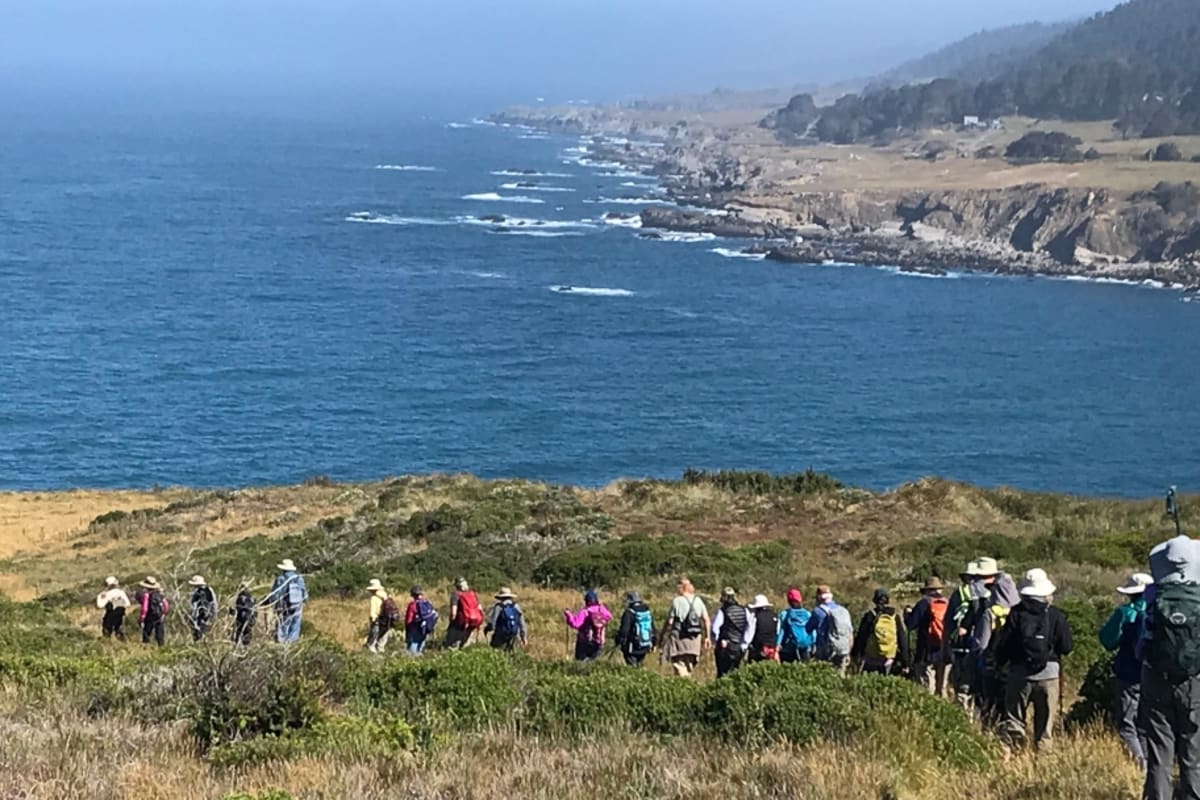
(149,583)
(287,565)
(505,593)
(933,583)
(111,581)
(374,585)
(985,567)
(760,601)
(197,580)
(1036,584)
(1136,583)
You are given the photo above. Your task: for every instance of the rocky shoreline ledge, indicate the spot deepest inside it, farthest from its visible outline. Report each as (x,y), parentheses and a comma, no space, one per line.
(1034,229)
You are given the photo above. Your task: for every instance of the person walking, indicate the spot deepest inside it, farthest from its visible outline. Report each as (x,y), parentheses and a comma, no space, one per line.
(382,616)
(589,623)
(732,632)
(288,594)
(1169,707)
(1031,644)
(881,644)
(154,608)
(244,611)
(202,607)
(685,635)
(832,630)
(466,615)
(977,611)
(114,602)
(794,641)
(420,618)
(636,634)
(506,622)
(928,620)
(764,645)
(1120,634)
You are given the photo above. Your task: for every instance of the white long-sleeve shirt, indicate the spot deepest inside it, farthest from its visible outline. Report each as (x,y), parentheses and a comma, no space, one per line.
(718,622)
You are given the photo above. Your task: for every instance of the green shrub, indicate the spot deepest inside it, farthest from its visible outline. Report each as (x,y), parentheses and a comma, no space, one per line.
(642,558)
(1097,695)
(764,483)
(272,794)
(606,696)
(34,629)
(347,738)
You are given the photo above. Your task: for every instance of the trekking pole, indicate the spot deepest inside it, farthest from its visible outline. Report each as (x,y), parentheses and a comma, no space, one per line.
(1173,510)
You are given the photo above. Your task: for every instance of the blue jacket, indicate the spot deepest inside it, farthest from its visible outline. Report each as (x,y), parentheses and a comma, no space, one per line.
(288,591)
(1121,633)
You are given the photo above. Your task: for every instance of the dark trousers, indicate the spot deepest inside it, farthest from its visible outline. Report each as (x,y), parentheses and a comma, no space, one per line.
(243,628)
(587,651)
(113,623)
(154,628)
(636,659)
(1125,717)
(1170,715)
(794,656)
(200,626)
(729,658)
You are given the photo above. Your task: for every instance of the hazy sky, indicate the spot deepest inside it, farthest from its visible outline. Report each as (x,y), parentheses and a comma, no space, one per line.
(511,49)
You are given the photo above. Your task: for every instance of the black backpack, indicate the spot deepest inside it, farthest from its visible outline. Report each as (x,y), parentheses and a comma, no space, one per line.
(1032,629)
(155,608)
(1174,647)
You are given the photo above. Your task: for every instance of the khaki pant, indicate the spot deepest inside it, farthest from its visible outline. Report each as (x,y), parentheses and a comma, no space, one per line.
(684,665)
(1018,696)
(934,675)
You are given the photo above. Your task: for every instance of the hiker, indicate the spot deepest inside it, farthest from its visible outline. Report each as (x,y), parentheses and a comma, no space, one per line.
(1031,644)
(928,619)
(288,595)
(382,615)
(1170,651)
(794,641)
(114,601)
(685,635)
(506,622)
(244,611)
(881,644)
(420,618)
(637,634)
(832,630)
(764,645)
(154,609)
(590,622)
(732,632)
(203,607)
(1121,633)
(466,615)
(976,611)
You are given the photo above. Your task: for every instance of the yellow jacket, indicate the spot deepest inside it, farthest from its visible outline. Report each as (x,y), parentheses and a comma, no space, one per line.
(377,599)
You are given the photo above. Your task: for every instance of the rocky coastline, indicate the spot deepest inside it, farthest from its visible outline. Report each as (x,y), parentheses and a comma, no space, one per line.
(1032,229)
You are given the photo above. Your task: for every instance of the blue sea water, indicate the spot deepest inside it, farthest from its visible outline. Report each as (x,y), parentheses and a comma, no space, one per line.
(218,300)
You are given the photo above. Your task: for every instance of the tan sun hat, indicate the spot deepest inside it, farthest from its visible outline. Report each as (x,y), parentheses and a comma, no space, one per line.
(111,581)
(374,585)
(505,593)
(760,601)
(287,565)
(150,583)
(197,580)
(1136,584)
(1036,584)
(985,567)
(933,583)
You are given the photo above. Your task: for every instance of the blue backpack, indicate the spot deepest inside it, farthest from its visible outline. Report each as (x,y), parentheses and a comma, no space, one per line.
(427,615)
(508,621)
(794,623)
(643,638)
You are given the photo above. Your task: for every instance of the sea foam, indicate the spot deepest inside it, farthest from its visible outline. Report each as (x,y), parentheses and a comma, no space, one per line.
(493,197)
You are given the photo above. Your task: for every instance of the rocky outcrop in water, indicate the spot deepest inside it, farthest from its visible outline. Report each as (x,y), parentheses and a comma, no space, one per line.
(725,225)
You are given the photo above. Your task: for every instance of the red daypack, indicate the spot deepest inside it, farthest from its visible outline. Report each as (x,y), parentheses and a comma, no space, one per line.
(936,633)
(470,615)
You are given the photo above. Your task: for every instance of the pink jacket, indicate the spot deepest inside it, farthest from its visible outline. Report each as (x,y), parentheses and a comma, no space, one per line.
(590,621)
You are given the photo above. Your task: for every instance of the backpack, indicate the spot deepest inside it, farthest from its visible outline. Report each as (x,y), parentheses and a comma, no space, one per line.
(427,615)
(795,630)
(1033,630)
(508,621)
(470,615)
(841,633)
(935,633)
(389,612)
(593,627)
(157,607)
(691,625)
(643,625)
(884,641)
(1173,649)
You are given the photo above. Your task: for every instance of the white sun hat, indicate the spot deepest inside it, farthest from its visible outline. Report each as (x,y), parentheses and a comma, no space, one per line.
(1036,584)
(760,601)
(374,585)
(197,580)
(1136,584)
(287,565)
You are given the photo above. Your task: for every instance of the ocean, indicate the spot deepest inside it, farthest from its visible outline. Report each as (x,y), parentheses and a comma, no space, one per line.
(227,299)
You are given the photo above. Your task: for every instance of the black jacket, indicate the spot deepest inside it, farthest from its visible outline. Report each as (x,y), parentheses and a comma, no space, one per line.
(627,633)
(766,629)
(1033,627)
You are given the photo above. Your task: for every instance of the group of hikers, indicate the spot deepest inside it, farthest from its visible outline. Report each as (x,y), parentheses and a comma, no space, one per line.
(995,644)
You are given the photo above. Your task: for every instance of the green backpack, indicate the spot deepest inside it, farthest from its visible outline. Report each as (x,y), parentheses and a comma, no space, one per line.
(1174,646)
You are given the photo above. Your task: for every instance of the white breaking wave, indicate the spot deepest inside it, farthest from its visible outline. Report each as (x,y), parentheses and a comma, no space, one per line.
(728,252)
(625,173)
(518,173)
(501,221)
(526,188)
(477,121)
(391,219)
(533,232)
(488,275)
(457,125)
(629,201)
(624,222)
(595,291)
(493,197)
(915,274)
(407,168)
(539,136)
(683,237)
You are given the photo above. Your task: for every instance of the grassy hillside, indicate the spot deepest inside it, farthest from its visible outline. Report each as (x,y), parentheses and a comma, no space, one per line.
(327,720)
